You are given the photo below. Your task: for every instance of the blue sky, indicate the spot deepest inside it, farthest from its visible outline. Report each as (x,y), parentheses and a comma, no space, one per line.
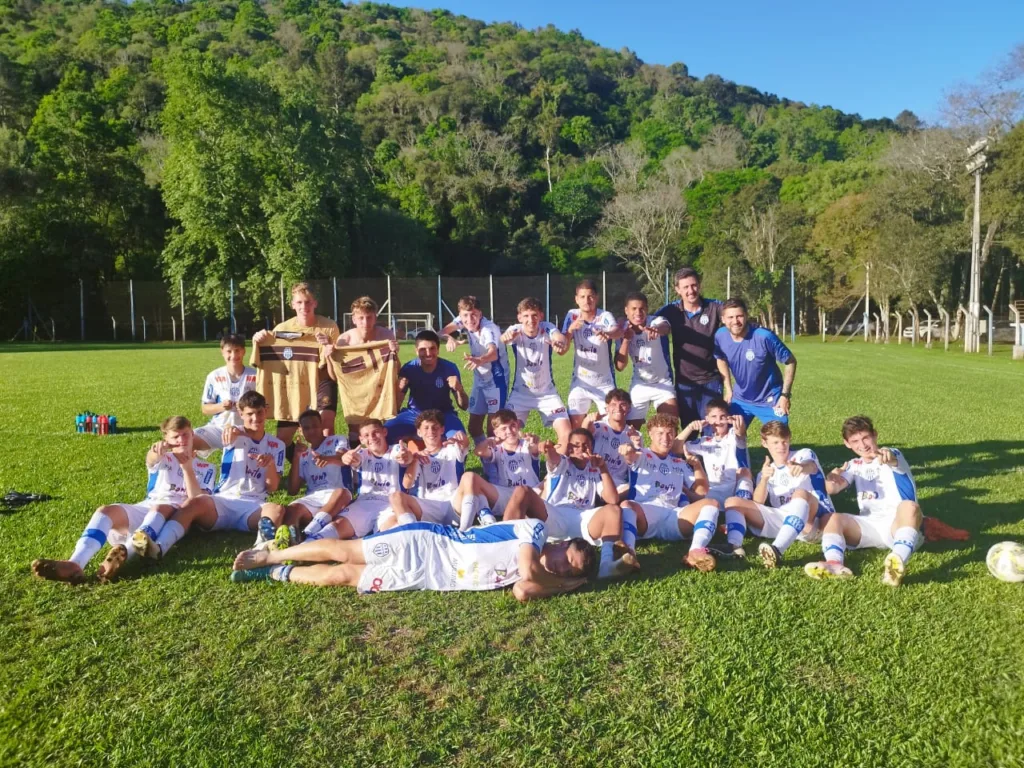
(870,57)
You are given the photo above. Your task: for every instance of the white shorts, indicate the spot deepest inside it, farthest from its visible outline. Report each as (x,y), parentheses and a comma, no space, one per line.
(662,522)
(484,399)
(567,522)
(233,513)
(213,436)
(438,511)
(773,520)
(314,502)
(393,563)
(504,494)
(875,531)
(581,395)
(647,396)
(549,406)
(720,493)
(135,513)
(364,514)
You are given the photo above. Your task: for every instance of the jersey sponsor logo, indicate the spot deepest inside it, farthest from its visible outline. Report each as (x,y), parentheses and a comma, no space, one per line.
(377,585)
(492,402)
(558,410)
(867,495)
(750,355)
(381,550)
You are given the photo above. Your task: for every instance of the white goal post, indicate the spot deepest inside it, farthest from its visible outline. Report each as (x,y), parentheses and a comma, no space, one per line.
(405,324)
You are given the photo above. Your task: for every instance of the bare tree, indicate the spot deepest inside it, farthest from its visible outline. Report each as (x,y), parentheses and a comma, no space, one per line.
(721,151)
(761,243)
(992,105)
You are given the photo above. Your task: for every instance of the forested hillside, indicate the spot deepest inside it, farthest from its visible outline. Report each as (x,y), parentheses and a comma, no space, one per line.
(213,140)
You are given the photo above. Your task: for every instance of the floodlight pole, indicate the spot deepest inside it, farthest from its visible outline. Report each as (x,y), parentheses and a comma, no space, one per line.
(976,162)
(867,299)
(792,303)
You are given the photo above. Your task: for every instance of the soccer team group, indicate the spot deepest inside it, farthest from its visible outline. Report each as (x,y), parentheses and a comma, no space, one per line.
(390,507)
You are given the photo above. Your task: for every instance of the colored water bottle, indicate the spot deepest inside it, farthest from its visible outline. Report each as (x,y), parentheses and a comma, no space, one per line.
(95,424)
(104,425)
(113,425)
(79,419)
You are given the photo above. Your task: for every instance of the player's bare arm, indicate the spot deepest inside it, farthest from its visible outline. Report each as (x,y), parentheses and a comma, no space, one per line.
(536,582)
(551,454)
(294,481)
(155,453)
(788,374)
(694,427)
(699,488)
(761,490)
(413,471)
(723,371)
(609,491)
(622,351)
(835,482)
(273,478)
(461,398)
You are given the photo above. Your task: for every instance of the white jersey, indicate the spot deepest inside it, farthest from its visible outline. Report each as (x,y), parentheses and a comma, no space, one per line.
(723,458)
(332,476)
(659,481)
(606,444)
(241,477)
(439,479)
(167,480)
(513,468)
(592,357)
(650,358)
(221,388)
(533,360)
(568,485)
(781,485)
(878,485)
(496,371)
(377,477)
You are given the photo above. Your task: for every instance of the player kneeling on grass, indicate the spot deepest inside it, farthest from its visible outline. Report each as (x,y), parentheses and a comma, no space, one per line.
(611,431)
(569,509)
(317,464)
(890,516)
(666,494)
(220,395)
(793,484)
(427,556)
(174,477)
(724,451)
(251,468)
(645,342)
(433,477)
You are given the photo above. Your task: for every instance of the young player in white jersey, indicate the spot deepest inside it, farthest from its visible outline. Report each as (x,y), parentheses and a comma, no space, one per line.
(220,395)
(378,470)
(432,479)
(576,485)
(611,431)
(174,476)
(487,358)
(592,331)
(533,387)
(645,342)
(426,556)
(890,515)
(251,468)
(723,451)
(666,494)
(317,465)
(789,501)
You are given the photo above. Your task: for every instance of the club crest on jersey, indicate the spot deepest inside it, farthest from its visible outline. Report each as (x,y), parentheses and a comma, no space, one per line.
(378,466)
(381,550)
(704,320)
(439,383)
(663,469)
(750,355)
(287,354)
(435,467)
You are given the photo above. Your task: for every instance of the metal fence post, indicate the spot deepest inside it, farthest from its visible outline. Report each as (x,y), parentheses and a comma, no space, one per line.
(928,330)
(490,286)
(666,285)
(604,288)
(204,329)
(728,282)
(143,327)
(181,285)
(174,329)
(334,289)
(792,303)
(440,317)
(990,324)
(131,302)
(231,289)
(281,282)
(114,321)
(391,309)
(81,305)
(944,315)
(547,293)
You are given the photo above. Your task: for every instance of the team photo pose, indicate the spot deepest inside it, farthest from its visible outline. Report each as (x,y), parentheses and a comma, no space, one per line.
(666,494)
(431,383)
(890,516)
(723,451)
(592,332)
(174,476)
(221,391)
(612,431)
(426,556)
(645,341)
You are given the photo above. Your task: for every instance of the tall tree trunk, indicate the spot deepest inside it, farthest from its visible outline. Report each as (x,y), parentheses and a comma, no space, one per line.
(547,164)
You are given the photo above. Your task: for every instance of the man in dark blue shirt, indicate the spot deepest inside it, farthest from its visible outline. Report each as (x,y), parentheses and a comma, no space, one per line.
(430,382)
(752,354)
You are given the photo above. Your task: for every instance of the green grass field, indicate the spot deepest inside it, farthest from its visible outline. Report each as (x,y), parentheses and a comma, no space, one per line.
(174,665)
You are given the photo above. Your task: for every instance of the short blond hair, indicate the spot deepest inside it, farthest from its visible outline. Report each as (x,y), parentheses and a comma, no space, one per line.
(776,429)
(303,288)
(364,304)
(175,424)
(530,303)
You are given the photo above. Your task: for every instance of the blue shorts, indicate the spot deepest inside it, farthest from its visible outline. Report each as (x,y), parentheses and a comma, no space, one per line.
(765,412)
(692,399)
(404,425)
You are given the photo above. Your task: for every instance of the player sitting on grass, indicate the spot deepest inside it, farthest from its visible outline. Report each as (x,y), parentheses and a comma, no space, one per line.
(533,388)
(592,331)
(220,395)
(612,431)
(317,464)
(426,556)
(174,477)
(433,477)
(645,342)
(431,382)
(511,458)
(378,473)
(250,468)
(724,451)
(890,516)
(666,494)
(575,485)
(793,485)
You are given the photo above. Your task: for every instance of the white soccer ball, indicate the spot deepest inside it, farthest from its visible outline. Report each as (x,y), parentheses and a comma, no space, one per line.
(1005,561)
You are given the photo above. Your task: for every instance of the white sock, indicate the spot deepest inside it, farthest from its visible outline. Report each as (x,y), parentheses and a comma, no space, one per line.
(407,518)
(833,546)
(629,527)
(170,534)
(318,523)
(903,544)
(93,537)
(704,528)
(604,570)
(130,549)
(735,527)
(327,532)
(745,489)
(467,514)
(796,515)
(280,572)
(152,524)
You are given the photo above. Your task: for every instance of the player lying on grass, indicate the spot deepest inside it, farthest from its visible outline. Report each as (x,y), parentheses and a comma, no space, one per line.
(174,477)
(487,359)
(430,382)
(533,388)
(378,471)
(250,468)
(592,331)
(612,431)
(223,387)
(790,499)
(576,484)
(511,458)
(432,479)
(432,557)
(724,451)
(645,342)
(317,464)
(666,494)
(890,516)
